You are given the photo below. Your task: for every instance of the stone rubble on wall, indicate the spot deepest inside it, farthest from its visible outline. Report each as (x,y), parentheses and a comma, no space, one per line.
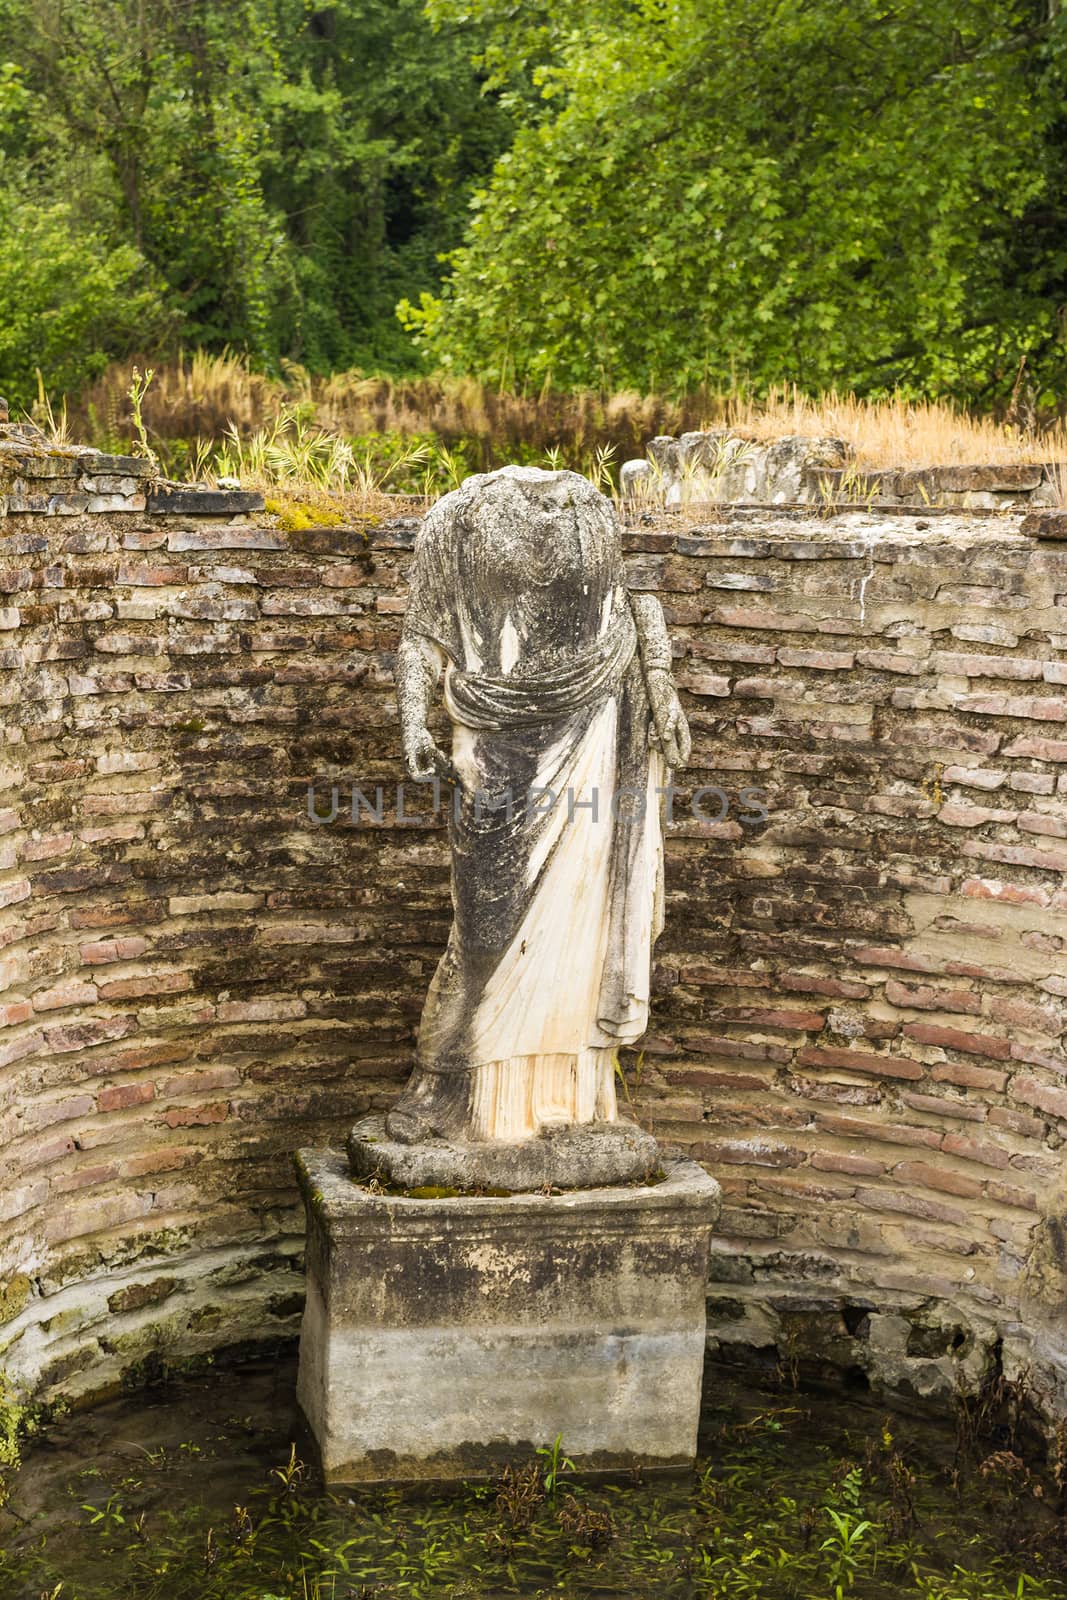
(719,466)
(52,480)
(860,1013)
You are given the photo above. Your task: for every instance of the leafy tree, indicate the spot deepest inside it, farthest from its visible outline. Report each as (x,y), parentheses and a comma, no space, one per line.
(287,169)
(376,131)
(68,299)
(831,191)
(144,119)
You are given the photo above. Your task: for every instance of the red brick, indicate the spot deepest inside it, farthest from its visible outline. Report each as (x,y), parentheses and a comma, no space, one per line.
(889,956)
(955,815)
(107,914)
(83,1178)
(1042,822)
(985,666)
(1009,1194)
(875,1132)
(95,1215)
(749,1153)
(202,1082)
(149,984)
(974,777)
(912,1205)
(857,1166)
(943,1179)
(119,1097)
(793,1187)
(834,988)
(977,1044)
(1034,1093)
(85,1035)
(1043,749)
(12,1050)
(46,849)
(144,574)
(71,993)
(707,1078)
(1017,855)
(1013,894)
(978,1150)
(934,1105)
(879,1066)
(739,1049)
(126,803)
(765,1017)
(261,1010)
(818,914)
(759,617)
(1024,1014)
(1039,1058)
(168,1158)
(925,997)
(1039,708)
(821,660)
(750,654)
(196,1116)
(106,951)
(890,661)
(1017,1121)
(704,683)
(47,1113)
(142,1057)
(43,1152)
(1033,782)
(966,1076)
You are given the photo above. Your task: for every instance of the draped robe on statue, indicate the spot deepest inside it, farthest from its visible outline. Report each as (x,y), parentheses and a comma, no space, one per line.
(556,840)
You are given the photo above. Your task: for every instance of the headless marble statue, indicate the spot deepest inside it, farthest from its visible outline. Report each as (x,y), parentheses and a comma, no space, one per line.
(565,723)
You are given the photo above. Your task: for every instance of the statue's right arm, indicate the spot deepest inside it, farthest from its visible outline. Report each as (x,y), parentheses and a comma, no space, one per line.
(418,667)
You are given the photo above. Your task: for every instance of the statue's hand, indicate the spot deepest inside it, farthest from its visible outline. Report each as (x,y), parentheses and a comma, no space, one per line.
(424,758)
(669,730)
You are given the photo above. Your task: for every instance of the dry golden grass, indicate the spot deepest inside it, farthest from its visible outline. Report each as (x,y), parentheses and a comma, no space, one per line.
(896,432)
(192,398)
(201,396)
(498,423)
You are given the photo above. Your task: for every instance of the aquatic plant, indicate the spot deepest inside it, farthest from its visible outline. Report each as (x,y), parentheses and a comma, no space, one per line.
(794,1500)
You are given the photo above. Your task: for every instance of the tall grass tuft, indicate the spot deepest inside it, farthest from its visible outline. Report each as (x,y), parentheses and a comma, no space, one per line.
(199,401)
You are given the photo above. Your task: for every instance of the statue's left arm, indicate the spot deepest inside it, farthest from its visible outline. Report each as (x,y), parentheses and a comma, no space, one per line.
(654,646)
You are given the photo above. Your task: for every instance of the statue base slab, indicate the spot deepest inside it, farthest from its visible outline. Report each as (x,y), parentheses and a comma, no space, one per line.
(591,1155)
(444,1338)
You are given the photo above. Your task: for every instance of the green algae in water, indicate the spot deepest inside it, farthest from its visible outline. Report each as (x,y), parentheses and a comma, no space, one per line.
(196,1492)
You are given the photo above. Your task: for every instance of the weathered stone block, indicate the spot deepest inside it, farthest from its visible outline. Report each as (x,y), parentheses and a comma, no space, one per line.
(204,502)
(444,1337)
(1045,525)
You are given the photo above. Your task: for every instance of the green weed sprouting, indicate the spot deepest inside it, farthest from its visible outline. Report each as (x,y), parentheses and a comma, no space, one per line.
(139,387)
(556,1463)
(790,1503)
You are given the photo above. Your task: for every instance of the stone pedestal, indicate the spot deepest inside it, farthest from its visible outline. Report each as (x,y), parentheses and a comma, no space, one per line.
(445,1337)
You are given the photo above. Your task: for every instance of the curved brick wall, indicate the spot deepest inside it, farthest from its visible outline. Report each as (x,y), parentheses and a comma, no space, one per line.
(860,1000)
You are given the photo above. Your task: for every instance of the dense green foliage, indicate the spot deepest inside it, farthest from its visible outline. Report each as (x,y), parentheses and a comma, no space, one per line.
(649,193)
(868,192)
(269,174)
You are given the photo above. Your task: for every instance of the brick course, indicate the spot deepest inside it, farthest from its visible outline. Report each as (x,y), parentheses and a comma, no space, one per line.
(859,1000)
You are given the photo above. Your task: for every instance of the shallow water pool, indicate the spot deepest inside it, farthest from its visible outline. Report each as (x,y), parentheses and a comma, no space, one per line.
(195,1489)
